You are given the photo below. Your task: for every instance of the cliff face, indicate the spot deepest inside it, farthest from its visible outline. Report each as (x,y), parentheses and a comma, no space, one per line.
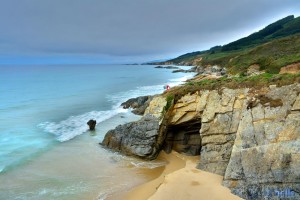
(251,137)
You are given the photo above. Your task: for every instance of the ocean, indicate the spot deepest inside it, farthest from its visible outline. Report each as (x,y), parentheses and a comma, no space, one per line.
(46,150)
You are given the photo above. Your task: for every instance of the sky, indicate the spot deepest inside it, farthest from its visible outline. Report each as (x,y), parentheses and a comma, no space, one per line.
(127,31)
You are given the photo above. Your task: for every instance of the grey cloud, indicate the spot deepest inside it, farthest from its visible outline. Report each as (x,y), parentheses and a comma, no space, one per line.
(131,28)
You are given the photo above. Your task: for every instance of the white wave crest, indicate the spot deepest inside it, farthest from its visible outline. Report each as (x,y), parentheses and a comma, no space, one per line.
(121,97)
(118,98)
(181,80)
(1,168)
(149,164)
(76,125)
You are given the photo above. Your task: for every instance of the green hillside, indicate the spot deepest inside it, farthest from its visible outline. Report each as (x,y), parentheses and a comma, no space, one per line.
(271,48)
(282,28)
(270,56)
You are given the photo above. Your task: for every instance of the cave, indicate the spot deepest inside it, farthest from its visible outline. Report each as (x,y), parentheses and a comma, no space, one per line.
(184,138)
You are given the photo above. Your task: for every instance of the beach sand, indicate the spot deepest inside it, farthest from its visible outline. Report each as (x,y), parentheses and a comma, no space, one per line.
(180,180)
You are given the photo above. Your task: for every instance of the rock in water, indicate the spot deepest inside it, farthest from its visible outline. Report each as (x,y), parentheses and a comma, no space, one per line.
(92,123)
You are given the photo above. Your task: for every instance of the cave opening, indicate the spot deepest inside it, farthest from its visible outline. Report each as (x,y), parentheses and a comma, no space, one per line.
(184,138)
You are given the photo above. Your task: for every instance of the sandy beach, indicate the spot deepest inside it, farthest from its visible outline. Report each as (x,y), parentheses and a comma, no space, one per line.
(182,181)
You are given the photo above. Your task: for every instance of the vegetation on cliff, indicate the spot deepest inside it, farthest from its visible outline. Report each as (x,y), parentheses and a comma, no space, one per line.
(255,82)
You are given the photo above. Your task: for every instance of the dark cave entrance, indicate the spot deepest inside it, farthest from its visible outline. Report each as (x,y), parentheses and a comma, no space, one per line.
(184,138)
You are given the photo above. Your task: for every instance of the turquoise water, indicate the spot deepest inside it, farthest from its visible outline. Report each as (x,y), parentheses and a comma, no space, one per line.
(43,115)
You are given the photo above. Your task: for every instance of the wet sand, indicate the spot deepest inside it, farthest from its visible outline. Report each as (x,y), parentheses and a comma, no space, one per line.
(182,181)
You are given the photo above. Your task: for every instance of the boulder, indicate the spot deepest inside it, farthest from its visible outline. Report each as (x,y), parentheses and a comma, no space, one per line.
(92,123)
(137,139)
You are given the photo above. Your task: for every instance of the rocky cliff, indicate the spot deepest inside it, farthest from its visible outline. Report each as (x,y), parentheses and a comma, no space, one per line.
(250,136)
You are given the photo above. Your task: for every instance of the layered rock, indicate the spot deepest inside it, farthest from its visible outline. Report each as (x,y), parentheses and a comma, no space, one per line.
(252,135)
(265,157)
(217,115)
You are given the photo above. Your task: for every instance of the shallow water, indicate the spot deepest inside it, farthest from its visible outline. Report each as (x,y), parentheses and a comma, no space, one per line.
(46,151)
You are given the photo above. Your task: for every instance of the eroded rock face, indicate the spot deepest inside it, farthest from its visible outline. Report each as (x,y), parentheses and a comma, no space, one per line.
(135,138)
(266,152)
(156,106)
(217,114)
(250,137)
(184,138)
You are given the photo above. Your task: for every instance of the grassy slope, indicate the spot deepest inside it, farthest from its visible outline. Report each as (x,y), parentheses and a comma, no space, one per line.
(259,48)
(270,56)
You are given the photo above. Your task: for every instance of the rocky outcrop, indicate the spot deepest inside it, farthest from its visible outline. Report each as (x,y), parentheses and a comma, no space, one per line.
(139,104)
(209,70)
(265,157)
(135,138)
(252,137)
(144,138)
(166,67)
(249,136)
(156,107)
(217,115)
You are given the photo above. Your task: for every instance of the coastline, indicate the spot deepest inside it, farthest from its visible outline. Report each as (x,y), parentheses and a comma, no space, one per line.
(181,175)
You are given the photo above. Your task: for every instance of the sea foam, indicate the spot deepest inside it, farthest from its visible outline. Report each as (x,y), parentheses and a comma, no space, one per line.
(76,125)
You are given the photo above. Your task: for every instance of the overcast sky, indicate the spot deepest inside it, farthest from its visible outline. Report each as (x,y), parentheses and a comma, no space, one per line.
(126,31)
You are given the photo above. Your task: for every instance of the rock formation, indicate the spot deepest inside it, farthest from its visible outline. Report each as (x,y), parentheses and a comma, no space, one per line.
(139,104)
(249,136)
(91,123)
(209,70)
(135,138)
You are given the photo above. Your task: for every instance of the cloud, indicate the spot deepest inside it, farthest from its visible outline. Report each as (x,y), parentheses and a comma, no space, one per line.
(135,29)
